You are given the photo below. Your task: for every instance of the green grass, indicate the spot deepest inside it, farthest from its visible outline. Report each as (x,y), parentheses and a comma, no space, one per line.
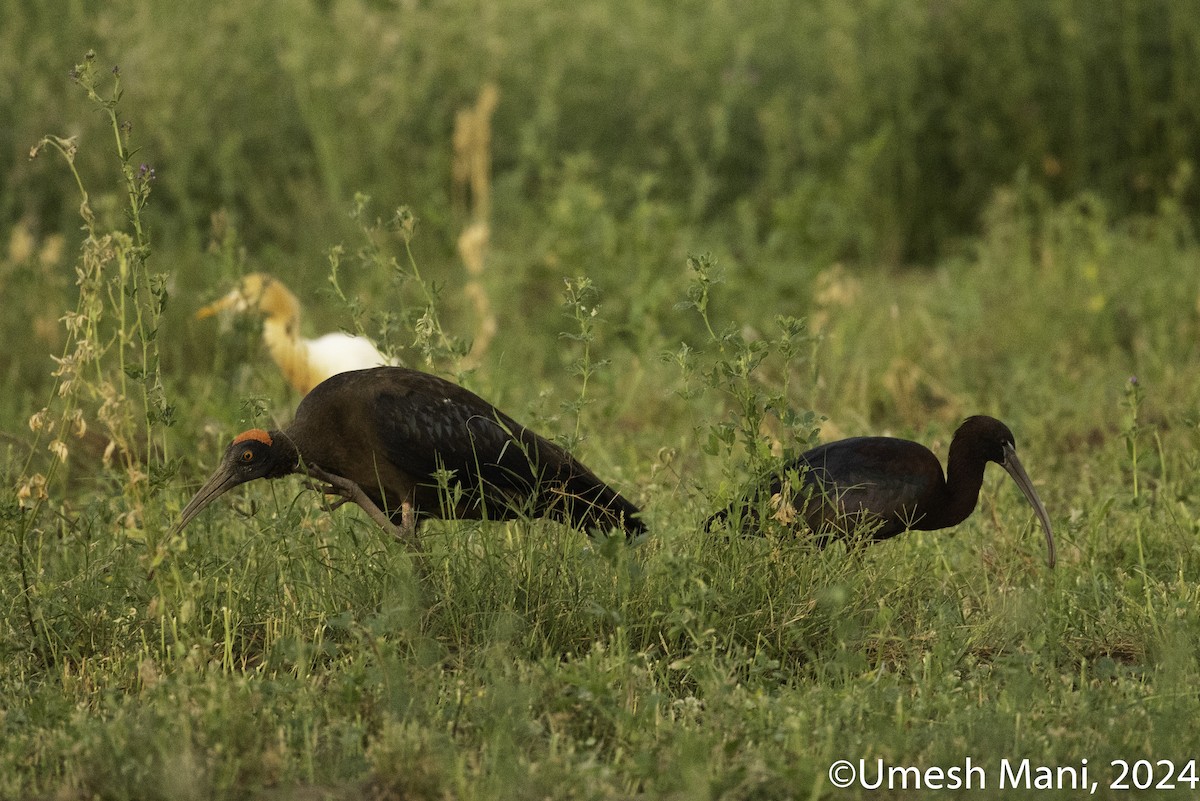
(680,343)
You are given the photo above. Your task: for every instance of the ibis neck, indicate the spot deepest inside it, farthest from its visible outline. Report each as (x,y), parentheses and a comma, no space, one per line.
(964,478)
(285,457)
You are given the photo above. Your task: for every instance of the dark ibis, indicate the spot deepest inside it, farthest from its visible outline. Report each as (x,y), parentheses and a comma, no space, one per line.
(878,487)
(304,362)
(408,446)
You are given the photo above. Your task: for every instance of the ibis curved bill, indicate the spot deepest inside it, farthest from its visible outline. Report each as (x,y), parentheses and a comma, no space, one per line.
(1013,466)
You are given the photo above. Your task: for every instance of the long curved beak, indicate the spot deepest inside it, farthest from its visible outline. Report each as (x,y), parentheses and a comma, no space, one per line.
(233,300)
(1013,465)
(217,485)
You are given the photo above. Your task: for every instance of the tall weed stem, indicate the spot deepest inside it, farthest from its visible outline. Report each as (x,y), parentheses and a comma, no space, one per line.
(109,368)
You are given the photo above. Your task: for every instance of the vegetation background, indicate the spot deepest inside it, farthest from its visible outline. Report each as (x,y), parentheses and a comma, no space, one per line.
(696,234)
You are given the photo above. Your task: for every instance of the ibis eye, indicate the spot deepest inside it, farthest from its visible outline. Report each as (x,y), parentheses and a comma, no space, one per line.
(247,455)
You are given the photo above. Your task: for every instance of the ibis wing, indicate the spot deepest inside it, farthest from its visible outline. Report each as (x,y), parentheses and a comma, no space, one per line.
(500,467)
(874,480)
(459,433)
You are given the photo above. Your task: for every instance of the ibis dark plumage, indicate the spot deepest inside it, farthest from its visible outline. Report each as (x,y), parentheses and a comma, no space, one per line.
(882,486)
(383,437)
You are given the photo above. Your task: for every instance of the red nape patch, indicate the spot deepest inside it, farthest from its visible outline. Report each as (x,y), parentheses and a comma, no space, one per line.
(256,434)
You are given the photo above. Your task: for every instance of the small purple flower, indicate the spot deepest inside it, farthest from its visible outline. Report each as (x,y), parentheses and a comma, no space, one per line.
(146,172)
(1133,380)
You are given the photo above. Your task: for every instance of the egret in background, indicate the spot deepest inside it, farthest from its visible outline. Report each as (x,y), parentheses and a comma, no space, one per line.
(304,362)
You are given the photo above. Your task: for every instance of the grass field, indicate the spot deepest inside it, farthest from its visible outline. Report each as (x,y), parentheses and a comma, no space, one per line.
(711,242)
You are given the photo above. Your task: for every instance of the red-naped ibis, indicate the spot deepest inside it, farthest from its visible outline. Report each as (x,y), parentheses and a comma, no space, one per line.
(382,437)
(879,487)
(304,362)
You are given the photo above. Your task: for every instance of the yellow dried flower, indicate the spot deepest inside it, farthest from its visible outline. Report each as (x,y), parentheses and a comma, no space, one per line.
(59,449)
(32,491)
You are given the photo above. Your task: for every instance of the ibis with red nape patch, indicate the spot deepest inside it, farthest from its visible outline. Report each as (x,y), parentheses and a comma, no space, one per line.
(408,446)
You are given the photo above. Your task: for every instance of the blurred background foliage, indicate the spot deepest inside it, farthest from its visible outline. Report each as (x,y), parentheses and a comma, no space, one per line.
(627,135)
(816,130)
